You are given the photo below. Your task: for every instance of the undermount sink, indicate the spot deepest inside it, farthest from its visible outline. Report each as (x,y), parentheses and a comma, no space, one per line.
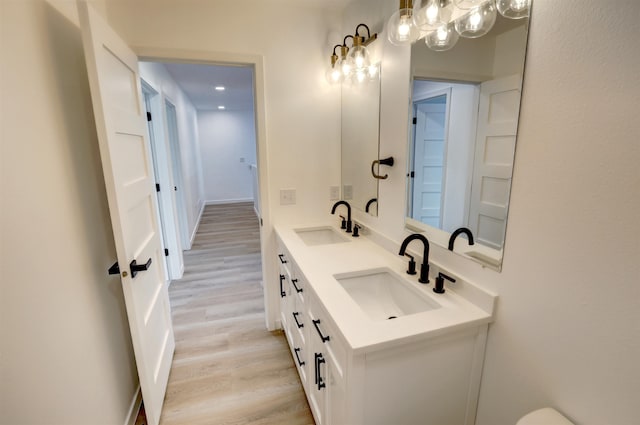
(382,294)
(320,236)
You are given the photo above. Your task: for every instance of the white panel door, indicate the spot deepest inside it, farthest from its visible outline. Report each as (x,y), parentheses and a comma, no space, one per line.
(493,164)
(128,174)
(429,160)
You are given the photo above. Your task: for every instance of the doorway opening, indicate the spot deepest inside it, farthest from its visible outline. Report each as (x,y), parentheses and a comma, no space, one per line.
(202,127)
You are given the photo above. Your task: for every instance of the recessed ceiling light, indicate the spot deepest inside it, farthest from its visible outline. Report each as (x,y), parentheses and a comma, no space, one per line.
(221,107)
(219,88)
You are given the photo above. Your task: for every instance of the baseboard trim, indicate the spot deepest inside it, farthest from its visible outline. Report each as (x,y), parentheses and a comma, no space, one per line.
(195,228)
(228,201)
(134,408)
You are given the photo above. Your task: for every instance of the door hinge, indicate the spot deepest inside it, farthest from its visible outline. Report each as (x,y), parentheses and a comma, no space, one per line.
(166,252)
(412,174)
(415,120)
(157,187)
(148,116)
(175,188)
(261,223)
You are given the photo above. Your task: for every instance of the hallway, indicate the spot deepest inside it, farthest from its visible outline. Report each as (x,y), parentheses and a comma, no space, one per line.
(227,368)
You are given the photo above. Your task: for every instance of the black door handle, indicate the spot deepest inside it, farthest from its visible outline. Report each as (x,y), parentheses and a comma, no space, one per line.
(282,293)
(135,267)
(295,317)
(282,260)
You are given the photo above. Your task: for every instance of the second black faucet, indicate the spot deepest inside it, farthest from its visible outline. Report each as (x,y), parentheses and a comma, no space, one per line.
(424,267)
(345,203)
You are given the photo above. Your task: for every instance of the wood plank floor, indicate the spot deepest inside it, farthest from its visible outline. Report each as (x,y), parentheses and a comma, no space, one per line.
(227,368)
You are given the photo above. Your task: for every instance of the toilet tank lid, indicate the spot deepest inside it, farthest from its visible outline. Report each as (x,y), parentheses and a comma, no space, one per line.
(546,416)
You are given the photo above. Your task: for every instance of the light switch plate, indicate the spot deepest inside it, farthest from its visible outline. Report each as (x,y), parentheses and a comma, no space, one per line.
(287,196)
(348,191)
(334,193)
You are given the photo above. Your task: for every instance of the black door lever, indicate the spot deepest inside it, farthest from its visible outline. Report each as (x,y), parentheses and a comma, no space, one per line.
(135,267)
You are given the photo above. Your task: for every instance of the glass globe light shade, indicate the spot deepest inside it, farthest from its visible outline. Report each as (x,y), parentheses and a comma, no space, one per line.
(334,75)
(401,29)
(432,15)
(478,21)
(468,4)
(360,76)
(514,9)
(443,38)
(359,57)
(373,71)
(345,67)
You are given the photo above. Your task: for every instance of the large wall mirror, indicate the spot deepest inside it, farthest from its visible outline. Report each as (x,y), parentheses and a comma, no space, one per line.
(464,109)
(360,136)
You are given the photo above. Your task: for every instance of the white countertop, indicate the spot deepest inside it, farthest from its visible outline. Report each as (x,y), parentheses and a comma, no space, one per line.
(463,305)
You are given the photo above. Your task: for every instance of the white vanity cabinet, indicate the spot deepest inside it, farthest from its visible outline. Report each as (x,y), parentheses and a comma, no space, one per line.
(357,371)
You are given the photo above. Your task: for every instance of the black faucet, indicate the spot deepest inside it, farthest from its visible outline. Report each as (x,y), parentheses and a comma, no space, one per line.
(345,203)
(424,267)
(456,233)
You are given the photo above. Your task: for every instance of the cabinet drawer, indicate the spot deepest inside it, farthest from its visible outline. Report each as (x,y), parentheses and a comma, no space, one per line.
(323,331)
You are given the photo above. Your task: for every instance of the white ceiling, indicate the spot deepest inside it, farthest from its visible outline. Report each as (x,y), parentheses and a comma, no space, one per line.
(198,82)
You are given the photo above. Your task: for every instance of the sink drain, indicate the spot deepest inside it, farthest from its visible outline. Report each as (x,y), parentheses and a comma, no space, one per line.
(392,317)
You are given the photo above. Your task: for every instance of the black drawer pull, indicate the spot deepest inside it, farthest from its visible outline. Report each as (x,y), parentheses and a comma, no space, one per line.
(282,260)
(324,338)
(282,293)
(300,362)
(295,317)
(135,267)
(298,290)
(319,359)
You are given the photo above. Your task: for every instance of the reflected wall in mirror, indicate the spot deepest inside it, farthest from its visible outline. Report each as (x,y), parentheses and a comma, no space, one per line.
(360,135)
(465,106)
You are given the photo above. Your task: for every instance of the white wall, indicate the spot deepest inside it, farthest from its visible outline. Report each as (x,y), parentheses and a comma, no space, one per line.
(157,75)
(225,138)
(567,330)
(65,350)
(302,109)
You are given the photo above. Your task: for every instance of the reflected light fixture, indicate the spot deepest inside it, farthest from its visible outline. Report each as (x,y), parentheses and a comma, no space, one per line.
(401,28)
(219,88)
(467,4)
(221,107)
(354,64)
(514,9)
(443,38)
(478,21)
(433,15)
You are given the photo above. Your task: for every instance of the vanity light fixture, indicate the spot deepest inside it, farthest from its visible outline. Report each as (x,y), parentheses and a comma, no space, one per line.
(401,28)
(443,38)
(433,15)
(478,21)
(334,73)
(221,107)
(354,64)
(514,9)
(219,88)
(438,21)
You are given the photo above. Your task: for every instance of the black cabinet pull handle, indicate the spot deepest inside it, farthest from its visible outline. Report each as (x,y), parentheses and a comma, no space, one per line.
(300,362)
(324,338)
(298,290)
(135,267)
(282,293)
(295,317)
(115,268)
(282,260)
(319,359)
